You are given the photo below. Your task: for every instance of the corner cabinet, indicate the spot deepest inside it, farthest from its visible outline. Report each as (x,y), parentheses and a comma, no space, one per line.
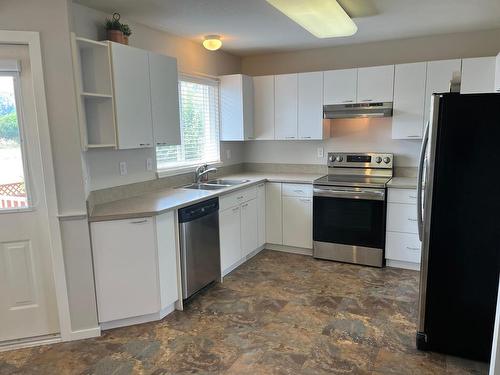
(135,267)
(236,98)
(263,110)
(128,96)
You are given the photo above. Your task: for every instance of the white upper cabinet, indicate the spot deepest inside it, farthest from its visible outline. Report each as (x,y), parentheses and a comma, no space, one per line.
(375,84)
(439,75)
(285,110)
(340,86)
(409,98)
(164,99)
(310,106)
(497,74)
(478,75)
(263,101)
(236,92)
(132,95)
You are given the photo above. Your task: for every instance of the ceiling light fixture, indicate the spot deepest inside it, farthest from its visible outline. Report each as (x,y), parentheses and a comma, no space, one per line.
(212,42)
(322,18)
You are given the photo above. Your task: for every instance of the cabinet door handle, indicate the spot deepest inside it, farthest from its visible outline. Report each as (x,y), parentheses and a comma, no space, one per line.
(161,143)
(236,209)
(414,136)
(367,100)
(299,191)
(347,101)
(139,221)
(144,144)
(289,137)
(240,197)
(244,205)
(413,248)
(305,137)
(412,197)
(306,200)
(410,219)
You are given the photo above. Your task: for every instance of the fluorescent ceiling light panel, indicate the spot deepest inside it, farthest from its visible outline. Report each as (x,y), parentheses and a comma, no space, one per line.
(322,18)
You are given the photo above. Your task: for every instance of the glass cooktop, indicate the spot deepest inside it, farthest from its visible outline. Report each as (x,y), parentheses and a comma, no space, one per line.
(355,181)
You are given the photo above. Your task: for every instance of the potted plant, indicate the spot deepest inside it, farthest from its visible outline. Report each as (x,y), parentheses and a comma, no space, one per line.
(126,33)
(114,28)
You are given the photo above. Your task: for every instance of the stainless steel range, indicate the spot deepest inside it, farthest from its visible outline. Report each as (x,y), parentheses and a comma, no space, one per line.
(349,208)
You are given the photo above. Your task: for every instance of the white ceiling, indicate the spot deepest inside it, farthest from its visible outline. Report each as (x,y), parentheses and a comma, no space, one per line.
(253,26)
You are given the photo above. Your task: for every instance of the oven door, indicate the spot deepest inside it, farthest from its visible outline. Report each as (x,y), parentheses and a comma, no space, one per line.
(351,218)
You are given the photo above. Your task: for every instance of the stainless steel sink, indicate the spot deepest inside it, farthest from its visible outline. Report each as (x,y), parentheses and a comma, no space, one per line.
(203,186)
(221,181)
(213,184)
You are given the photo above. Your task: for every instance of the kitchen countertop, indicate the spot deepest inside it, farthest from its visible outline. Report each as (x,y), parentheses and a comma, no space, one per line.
(158,202)
(403,183)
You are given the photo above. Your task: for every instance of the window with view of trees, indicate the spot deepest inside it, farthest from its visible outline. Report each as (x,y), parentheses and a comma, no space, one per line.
(199,114)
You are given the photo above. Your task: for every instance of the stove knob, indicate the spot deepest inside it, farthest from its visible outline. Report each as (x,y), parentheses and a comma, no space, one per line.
(339,158)
(378,159)
(332,158)
(387,160)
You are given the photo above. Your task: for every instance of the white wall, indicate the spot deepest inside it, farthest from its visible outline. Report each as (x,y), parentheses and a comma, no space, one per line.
(103,165)
(359,135)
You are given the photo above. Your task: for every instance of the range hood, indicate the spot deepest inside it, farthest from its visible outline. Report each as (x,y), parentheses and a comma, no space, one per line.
(357,110)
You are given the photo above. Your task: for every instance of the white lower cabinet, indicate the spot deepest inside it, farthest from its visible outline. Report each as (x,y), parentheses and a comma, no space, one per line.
(135,267)
(261,214)
(238,227)
(402,248)
(230,236)
(249,227)
(274,222)
(297,222)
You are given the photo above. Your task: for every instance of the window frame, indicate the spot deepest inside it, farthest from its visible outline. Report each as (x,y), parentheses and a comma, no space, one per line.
(185,167)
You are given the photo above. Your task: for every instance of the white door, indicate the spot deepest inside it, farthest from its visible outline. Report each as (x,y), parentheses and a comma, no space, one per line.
(164,99)
(132,94)
(285,106)
(340,86)
(261,202)
(230,237)
(409,101)
(297,222)
(27,297)
(263,101)
(310,105)
(249,227)
(375,84)
(478,75)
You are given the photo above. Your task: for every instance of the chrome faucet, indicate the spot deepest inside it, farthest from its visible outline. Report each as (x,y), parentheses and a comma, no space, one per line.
(201,173)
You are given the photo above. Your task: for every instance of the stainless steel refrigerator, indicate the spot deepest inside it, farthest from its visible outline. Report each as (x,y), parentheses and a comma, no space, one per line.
(459,225)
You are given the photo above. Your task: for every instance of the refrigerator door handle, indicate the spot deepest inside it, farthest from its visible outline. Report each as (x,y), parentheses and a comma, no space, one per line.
(420,193)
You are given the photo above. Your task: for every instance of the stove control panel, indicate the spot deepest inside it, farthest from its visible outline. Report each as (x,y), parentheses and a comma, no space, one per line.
(360,160)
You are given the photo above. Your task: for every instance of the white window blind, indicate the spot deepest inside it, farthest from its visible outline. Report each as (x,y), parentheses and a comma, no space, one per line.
(199,114)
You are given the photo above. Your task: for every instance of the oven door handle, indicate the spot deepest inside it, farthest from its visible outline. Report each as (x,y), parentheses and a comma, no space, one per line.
(377,195)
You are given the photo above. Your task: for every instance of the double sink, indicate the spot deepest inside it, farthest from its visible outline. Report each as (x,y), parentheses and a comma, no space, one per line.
(213,184)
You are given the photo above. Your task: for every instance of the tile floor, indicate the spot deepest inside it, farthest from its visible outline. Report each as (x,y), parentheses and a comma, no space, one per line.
(277,314)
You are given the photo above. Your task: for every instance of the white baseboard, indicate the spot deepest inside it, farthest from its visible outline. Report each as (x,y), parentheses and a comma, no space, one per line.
(138,319)
(85,333)
(289,249)
(29,343)
(401,264)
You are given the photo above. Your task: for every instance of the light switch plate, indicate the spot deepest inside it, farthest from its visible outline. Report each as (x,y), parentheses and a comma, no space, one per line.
(320,152)
(149,164)
(123,168)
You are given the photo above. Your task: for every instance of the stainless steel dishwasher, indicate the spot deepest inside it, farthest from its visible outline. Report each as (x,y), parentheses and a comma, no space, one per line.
(200,250)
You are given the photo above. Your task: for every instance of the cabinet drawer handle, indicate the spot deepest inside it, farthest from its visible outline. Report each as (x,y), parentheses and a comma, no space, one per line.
(289,137)
(161,143)
(367,100)
(412,196)
(240,197)
(144,144)
(306,137)
(299,191)
(347,101)
(244,205)
(260,185)
(305,200)
(410,219)
(414,136)
(139,221)
(413,248)
(236,209)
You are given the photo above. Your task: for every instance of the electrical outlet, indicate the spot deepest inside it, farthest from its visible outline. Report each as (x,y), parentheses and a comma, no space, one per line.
(123,168)
(320,152)
(149,164)
(228,154)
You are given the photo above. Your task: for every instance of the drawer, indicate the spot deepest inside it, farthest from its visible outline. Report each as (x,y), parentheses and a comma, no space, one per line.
(404,247)
(402,218)
(297,190)
(408,196)
(234,199)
